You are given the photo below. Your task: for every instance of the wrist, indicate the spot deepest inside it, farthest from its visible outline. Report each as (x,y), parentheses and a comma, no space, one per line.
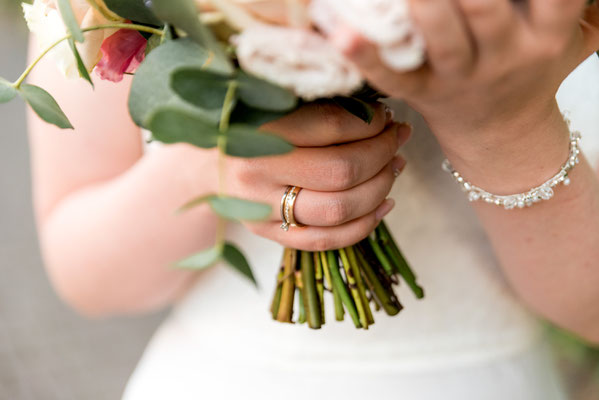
(512,156)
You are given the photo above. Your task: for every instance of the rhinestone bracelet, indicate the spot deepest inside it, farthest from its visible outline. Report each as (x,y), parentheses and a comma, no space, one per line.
(534,195)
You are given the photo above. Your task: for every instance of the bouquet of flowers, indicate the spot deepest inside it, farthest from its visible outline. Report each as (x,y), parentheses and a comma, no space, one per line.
(210,73)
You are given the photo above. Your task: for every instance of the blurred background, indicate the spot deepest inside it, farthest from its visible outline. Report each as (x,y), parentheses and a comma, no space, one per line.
(46,351)
(49,353)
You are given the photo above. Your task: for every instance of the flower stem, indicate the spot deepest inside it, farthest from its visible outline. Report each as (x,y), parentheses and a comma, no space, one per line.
(140,28)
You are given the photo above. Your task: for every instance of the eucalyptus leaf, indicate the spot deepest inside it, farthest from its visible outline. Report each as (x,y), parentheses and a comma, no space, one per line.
(264,95)
(7,91)
(239,209)
(201,260)
(68,17)
(244,114)
(153,42)
(45,106)
(151,88)
(201,88)
(134,10)
(195,202)
(170,125)
(237,260)
(357,107)
(80,65)
(183,14)
(246,141)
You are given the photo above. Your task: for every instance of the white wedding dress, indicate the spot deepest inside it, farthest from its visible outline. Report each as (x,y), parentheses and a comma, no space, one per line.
(470,338)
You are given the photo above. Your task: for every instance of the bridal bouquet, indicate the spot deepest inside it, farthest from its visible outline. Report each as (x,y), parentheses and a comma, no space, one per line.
(209,73)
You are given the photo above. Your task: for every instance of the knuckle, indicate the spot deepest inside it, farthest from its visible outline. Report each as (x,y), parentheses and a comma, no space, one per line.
(343,174)
(336,212)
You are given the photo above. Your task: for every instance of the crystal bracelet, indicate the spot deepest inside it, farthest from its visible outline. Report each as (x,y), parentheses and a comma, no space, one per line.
(534,195)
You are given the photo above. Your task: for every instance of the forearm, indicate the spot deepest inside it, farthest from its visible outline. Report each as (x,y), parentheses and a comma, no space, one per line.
(109,247)
(549,251)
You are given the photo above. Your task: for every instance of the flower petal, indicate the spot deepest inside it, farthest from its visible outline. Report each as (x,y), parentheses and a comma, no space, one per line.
(121,52)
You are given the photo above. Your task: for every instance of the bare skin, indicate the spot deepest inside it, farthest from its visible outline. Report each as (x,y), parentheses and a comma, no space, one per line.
(105,214)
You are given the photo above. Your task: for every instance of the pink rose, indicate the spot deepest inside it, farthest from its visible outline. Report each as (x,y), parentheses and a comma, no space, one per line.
(121,53)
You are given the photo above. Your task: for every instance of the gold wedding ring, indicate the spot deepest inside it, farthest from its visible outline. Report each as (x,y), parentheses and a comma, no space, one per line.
(287,207)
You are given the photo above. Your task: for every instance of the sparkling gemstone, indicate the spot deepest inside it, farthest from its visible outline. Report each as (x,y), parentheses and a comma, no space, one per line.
(460,179)
(488,199)
(473,196)
(546,193)
(467,186)
(498,202)
(521,204)
(510,203)
(566,181)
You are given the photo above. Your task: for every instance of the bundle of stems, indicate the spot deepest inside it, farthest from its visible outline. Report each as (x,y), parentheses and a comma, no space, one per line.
(357,277)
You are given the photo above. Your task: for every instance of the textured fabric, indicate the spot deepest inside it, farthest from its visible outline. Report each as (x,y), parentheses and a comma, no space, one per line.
(468,339)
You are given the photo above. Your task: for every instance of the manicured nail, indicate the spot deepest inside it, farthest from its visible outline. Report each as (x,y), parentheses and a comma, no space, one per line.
(398,164)
(389,114)
(403,132)
(384,209)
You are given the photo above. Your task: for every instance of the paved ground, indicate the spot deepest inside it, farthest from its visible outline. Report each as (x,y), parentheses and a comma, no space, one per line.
(46,351)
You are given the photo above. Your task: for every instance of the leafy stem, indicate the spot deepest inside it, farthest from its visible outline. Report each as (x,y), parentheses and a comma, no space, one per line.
(140,28)
(225,117)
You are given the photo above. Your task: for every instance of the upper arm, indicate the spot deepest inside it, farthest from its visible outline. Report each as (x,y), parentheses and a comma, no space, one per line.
(104,143)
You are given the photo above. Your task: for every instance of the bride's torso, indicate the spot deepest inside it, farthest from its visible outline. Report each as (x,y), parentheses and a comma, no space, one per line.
(469,332)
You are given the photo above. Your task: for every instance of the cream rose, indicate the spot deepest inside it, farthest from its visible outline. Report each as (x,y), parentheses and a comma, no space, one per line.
(297,59)
(45,22)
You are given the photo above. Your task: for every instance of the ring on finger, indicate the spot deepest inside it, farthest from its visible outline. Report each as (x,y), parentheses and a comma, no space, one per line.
(287,208)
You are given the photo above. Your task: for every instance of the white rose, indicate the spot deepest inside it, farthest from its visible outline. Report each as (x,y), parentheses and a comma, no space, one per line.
(297,59)
(386,23)
(45,22)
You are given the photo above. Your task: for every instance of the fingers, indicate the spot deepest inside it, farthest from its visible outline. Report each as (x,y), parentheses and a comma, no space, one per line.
(555,17)
(337,168)
(313,238)
(449,46)
(323,123)
(365,56)
(336,208)
(491,22)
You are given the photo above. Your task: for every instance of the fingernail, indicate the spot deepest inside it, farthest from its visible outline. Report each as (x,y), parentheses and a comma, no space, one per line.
(403,132)
(398,164)
(389,114)
(384,209)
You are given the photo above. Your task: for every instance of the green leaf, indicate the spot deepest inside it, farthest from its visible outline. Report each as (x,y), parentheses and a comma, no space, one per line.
(80,65)
(239,209)
(357,107)
(68,17)
(183,14)
(151,88)
(170,125)
(134,10)
(45,106)
(153,42)
(201,260)
(264,95)
(7,91)
(201,88)
(237,260)
(244,114)
(246,141)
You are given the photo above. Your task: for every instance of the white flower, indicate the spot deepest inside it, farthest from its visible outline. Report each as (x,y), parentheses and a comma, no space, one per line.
(297,59)
(45,22)
(386,23)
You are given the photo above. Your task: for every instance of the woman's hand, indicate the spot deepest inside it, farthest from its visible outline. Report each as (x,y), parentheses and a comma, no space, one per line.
(489,61)
(345,167)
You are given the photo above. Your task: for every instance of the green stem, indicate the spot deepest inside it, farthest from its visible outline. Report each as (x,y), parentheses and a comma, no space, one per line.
(339,311)
(340,286)
(276,300)
(355,266)
(381,256)
(310,294)
(319,284)
(385,297)
(285,312)
(353,287)
(141,28)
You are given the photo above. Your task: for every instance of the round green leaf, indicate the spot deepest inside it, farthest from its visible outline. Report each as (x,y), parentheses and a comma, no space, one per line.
(239,209)
(201,88)
(201,260)
(246,141)
(151,87)
(170,125)
(264,95)
(246,115)
(237,260)
(134,10)
(7,91)
(45,106)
